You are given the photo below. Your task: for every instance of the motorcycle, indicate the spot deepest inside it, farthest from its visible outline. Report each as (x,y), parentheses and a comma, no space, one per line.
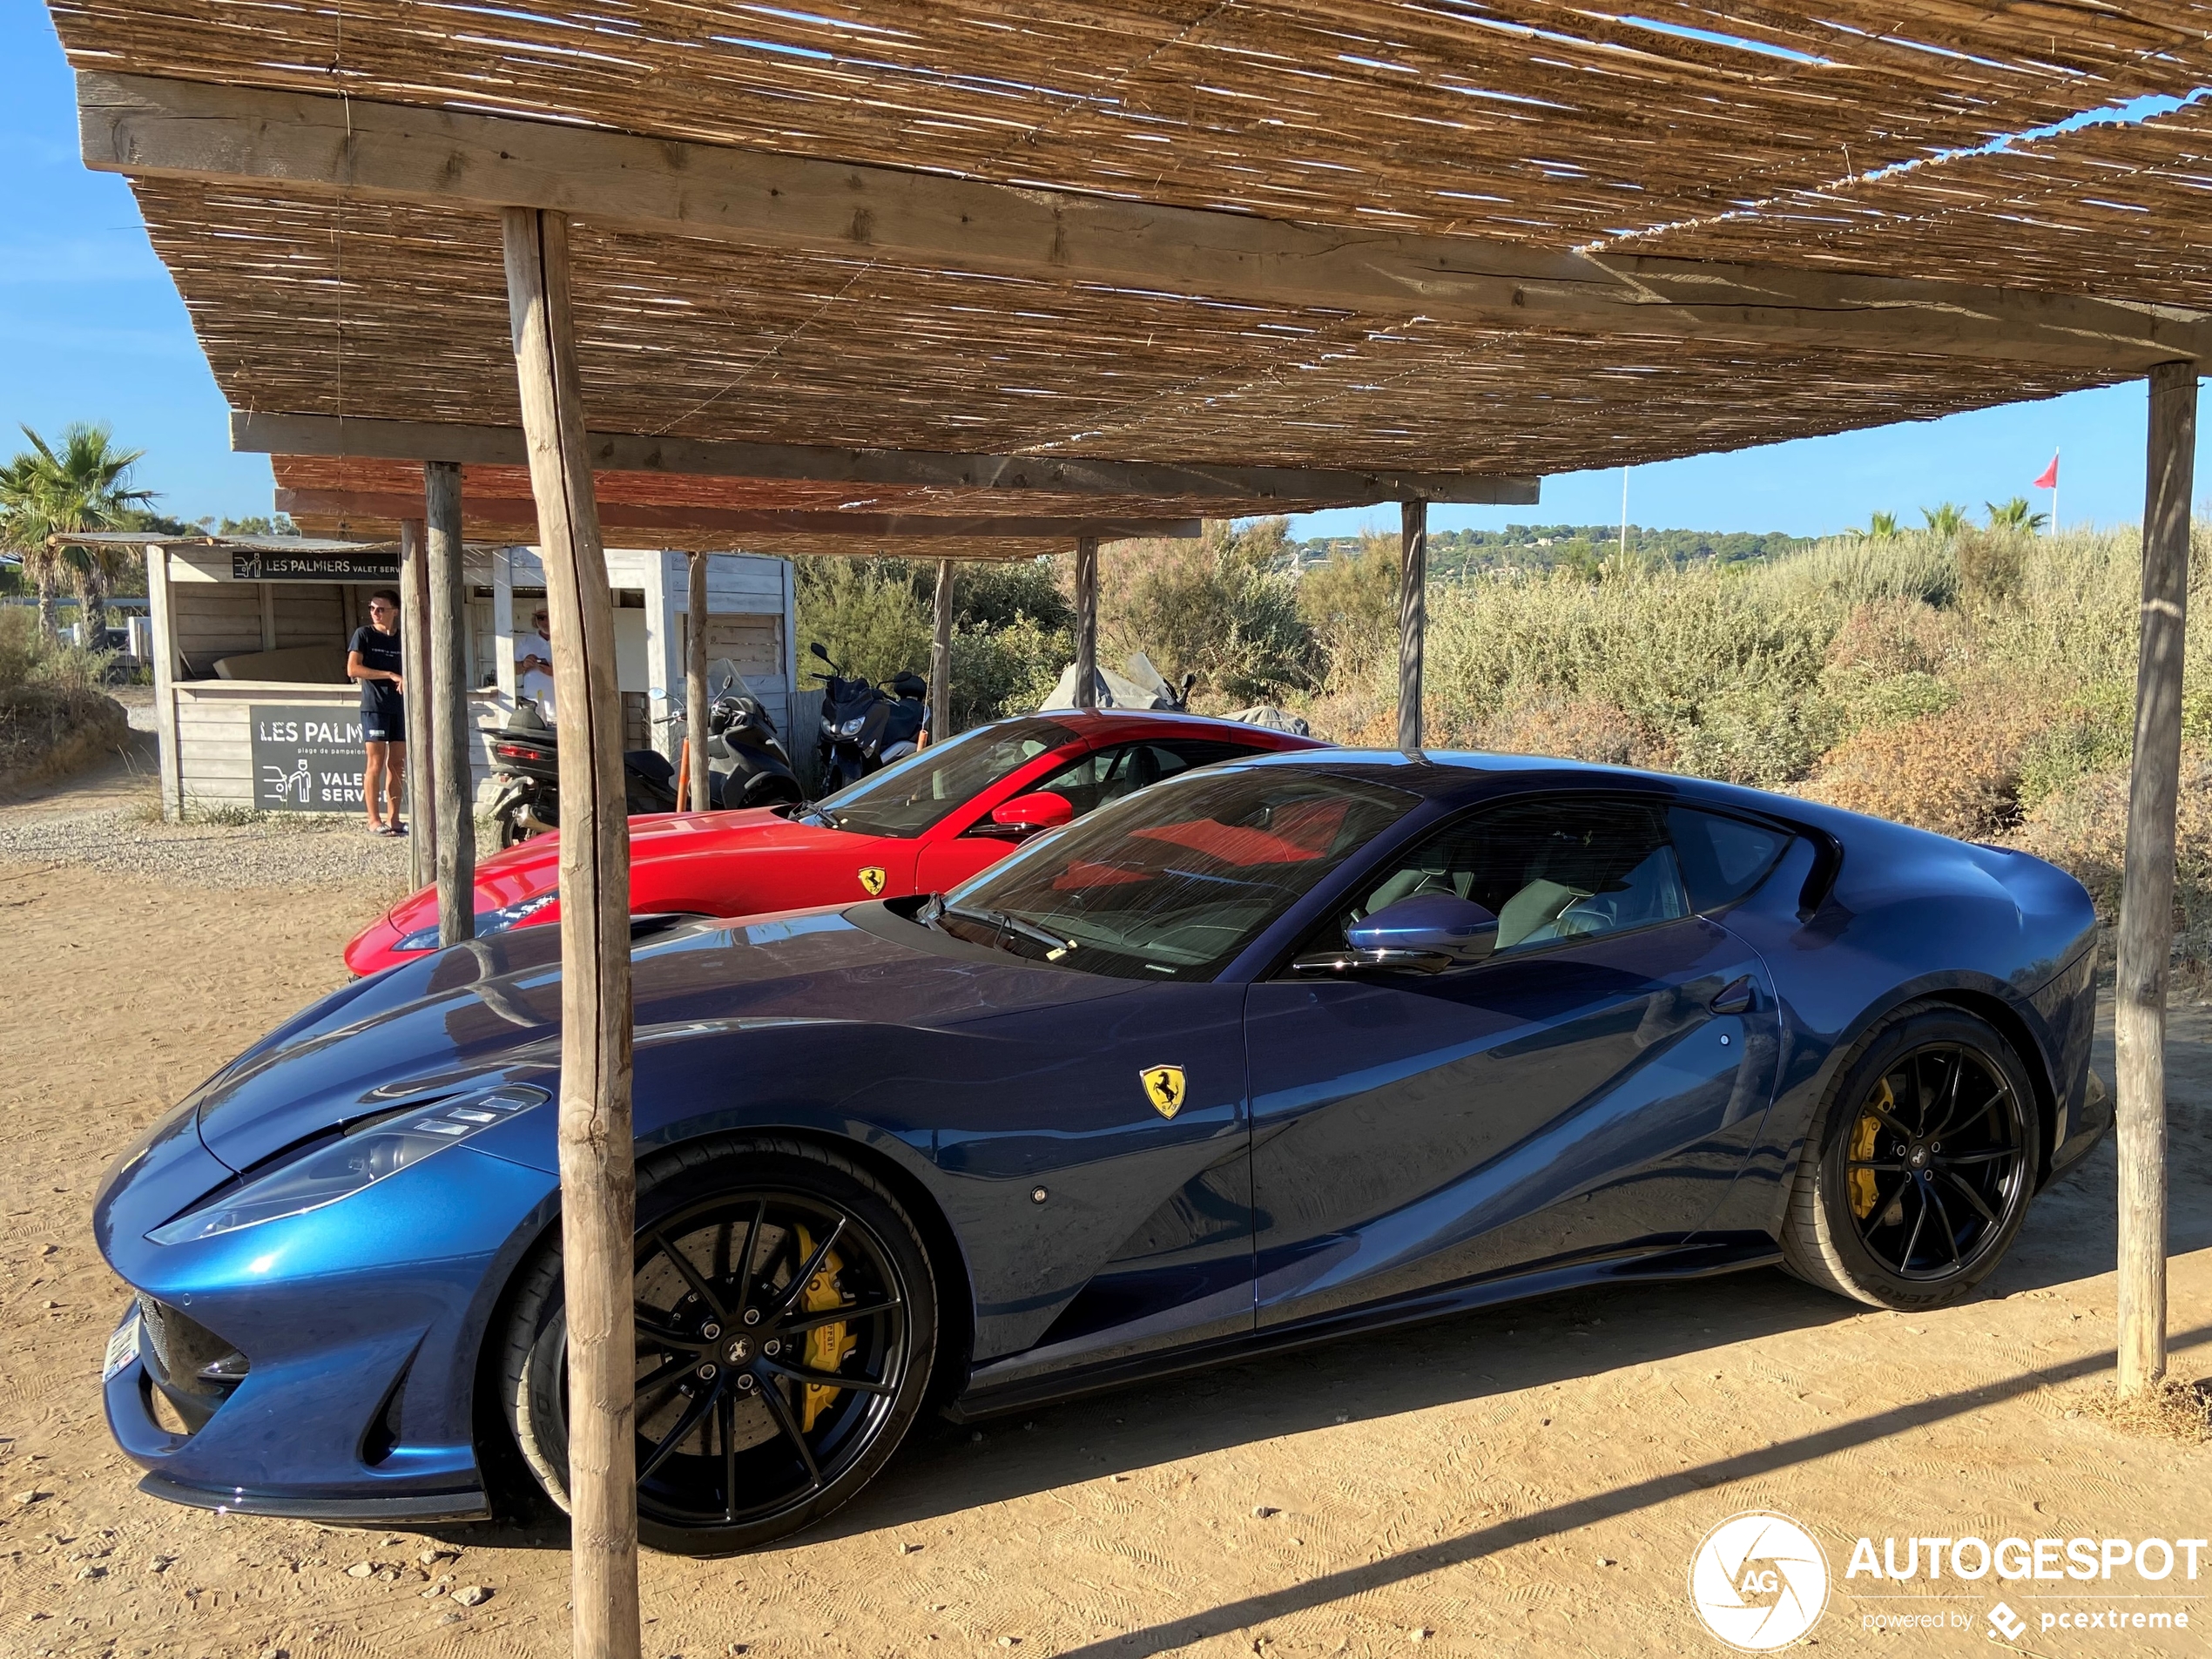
(866,727)
(748,765)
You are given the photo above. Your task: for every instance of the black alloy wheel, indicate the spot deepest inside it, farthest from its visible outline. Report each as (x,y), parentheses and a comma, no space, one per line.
(785,1323)
(1934,1157)
(1918,1174)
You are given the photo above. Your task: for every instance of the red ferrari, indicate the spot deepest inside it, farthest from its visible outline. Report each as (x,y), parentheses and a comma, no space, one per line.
(922,825)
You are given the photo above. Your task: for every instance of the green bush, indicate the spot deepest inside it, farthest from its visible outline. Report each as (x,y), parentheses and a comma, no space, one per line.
(875,615)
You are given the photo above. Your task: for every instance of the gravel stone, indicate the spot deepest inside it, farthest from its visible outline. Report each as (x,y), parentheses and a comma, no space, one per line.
(275,853)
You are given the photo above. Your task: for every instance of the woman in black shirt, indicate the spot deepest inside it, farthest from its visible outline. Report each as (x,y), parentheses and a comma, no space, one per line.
(372,658)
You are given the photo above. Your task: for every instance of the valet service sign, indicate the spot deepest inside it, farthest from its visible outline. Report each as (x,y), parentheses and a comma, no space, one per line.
(1761,1582)
(306,759)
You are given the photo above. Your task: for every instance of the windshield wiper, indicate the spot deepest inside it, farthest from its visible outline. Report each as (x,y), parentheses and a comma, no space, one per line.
(1055,945)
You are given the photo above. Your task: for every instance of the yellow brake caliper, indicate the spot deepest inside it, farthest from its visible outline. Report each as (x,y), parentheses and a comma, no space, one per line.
(827,1346)
(1863,1135)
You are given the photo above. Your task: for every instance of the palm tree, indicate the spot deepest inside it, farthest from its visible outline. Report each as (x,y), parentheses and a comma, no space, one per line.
(1881,526)
(1946,520)
(2015,516)
(49,491)
(23,528)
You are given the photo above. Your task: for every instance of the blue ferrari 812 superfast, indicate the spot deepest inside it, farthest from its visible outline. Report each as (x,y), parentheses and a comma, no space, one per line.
(1274,1052)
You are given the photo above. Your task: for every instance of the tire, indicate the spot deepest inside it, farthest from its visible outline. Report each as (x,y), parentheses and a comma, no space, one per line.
(1879,1211)
(511,833)
(735,1451)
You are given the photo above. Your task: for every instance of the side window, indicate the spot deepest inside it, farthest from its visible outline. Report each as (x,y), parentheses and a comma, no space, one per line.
(1105,775)
(1551,869)
(1722,858)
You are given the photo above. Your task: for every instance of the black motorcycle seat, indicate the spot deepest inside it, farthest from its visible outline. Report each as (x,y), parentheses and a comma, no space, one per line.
(651,763)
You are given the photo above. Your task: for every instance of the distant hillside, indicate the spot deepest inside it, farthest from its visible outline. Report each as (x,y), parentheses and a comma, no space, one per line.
(1539,546)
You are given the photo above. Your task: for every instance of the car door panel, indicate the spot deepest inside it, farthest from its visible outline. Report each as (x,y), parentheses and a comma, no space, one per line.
(1144,1237)
(1410,1133)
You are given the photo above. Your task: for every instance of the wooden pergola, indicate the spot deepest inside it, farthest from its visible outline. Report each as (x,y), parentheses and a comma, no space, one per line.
(823,274)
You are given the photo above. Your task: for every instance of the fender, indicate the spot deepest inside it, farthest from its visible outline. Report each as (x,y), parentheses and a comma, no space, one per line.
(1773,1162)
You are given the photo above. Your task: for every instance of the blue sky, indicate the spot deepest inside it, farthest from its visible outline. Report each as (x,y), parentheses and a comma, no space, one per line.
(91,329)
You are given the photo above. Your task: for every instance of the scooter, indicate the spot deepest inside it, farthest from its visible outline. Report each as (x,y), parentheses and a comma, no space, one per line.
(865,728)
(748,766)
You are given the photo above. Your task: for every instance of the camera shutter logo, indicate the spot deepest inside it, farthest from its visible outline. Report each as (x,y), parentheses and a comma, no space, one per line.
(1759,1581)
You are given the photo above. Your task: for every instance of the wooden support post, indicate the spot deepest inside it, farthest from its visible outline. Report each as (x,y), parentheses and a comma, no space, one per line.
(1413,617)
(445,701)
(2146,884)
(415,669)
(695,712)
(941,656)
(1087,622)
(598,1177)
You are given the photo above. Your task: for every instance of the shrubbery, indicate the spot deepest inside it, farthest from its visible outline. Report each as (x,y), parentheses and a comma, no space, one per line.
(54,716)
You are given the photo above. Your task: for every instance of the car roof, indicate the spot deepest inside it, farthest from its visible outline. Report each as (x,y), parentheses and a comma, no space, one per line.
(1094,723)
(1452,775)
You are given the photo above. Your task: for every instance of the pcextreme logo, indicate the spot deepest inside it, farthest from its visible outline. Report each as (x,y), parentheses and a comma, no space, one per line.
(1759,1581)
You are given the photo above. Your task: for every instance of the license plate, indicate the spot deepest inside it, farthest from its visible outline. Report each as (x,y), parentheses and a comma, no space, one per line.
(122,1347)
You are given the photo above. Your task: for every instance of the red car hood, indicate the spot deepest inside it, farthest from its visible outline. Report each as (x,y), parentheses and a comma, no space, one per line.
(534,869)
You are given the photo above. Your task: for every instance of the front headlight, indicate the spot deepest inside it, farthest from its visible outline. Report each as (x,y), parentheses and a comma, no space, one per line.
(335,1169)
(488,922)
(852,727)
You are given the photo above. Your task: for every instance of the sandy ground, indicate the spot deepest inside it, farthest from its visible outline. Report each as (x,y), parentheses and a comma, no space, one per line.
(1531,1481)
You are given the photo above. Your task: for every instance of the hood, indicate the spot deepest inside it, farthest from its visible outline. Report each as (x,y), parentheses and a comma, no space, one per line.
(488,1011)
(535,866)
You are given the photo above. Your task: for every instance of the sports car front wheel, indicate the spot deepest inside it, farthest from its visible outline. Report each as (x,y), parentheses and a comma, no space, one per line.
(1918,1174)
(786,1321)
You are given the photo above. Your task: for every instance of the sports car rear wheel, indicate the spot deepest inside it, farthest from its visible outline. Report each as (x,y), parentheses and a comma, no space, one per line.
(1920,1173)
(786,1321)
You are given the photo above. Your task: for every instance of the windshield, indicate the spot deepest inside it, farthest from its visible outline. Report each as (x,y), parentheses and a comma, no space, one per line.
(907,799)
(1174,881)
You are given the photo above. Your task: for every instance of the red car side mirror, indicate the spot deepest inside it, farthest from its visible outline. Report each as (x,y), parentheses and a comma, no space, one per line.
(1026,815)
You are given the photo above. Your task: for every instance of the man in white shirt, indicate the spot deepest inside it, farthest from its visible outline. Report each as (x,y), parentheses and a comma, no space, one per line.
(534,664)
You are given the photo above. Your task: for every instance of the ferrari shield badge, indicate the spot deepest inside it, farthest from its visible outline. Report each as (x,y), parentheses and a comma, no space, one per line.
(871,879)
(1163,1087)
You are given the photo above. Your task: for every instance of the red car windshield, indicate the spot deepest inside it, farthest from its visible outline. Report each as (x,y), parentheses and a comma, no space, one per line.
(907,799)
(1173,883)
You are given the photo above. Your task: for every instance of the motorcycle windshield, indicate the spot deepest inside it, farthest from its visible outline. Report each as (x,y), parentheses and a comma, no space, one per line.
(907,799)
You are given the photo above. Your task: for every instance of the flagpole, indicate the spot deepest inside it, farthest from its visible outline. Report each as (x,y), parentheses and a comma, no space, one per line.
(2055,492)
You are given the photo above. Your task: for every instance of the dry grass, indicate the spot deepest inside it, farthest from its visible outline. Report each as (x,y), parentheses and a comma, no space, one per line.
(2177,1409)
(1957,773)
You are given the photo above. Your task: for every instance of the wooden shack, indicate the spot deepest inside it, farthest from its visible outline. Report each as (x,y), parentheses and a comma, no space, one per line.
(253,709)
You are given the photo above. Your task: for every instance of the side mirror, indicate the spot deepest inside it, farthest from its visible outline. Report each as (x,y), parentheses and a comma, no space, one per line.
(1026,815)
(815,650)
(1427,934)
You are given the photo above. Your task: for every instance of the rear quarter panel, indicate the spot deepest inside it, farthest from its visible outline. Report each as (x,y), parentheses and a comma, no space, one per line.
(1910,914)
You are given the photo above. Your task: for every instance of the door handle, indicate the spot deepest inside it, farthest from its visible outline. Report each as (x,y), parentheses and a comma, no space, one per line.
(1734,997)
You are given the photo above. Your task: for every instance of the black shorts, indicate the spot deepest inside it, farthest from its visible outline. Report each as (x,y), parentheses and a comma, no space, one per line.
(383,725)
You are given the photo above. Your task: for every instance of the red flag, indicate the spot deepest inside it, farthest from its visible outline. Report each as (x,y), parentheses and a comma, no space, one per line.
(2050,478)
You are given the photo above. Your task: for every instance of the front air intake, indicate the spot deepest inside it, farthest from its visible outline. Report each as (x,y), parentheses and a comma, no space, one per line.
(188,1366)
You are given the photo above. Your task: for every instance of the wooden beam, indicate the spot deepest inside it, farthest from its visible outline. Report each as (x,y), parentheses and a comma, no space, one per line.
(2146,882)
(420,759)
(1281,489)
(636,515)
(695,710)
(448,728)
(1413,619)
(598,1175)
(941,655)
(300,141)
(1087,622)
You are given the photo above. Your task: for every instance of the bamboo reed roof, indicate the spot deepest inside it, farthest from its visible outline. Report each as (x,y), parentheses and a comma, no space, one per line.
(1685,129)
(2102,210)
(699,339)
